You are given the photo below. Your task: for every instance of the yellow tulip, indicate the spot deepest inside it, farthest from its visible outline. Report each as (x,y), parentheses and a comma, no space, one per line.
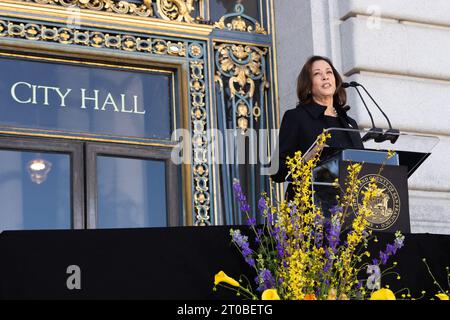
(442,296)
(222,277)
(382,294)
(270,294)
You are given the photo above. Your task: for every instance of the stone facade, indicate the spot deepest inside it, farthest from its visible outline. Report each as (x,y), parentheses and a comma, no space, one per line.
(399,51)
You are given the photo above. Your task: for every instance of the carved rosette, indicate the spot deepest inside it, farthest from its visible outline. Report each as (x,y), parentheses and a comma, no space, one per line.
(242,65)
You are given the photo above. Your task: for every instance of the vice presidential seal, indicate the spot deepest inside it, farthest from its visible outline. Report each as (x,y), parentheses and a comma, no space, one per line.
(385,207)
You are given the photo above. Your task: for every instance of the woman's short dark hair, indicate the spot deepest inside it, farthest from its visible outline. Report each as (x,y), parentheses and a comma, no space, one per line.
(304,83)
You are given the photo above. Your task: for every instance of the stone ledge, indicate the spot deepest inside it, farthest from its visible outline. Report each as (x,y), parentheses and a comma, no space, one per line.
(395,48)
(421,11)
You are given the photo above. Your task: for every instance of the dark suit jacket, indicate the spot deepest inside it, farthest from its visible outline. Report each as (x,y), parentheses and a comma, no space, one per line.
(300,128)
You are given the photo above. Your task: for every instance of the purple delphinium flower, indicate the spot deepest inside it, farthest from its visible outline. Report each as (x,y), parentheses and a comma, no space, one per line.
(383,257)
(265,280)
(251,221)
(280,250)
(259,234)
(327,266)
(391,249)
(242,243)
(245,207)
(262,205)
(335,210)
(333,230)
(398,243)
(275,232)
(374,279)
(250,261)
(240,196)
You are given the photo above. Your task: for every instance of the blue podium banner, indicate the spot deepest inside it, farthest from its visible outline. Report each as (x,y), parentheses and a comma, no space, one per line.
(83,98)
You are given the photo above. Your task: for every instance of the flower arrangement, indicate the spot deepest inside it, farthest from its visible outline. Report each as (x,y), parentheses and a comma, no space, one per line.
(301,253)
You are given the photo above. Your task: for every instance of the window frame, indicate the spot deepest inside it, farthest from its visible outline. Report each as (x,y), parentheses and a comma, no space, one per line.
(94,149)
(75,151)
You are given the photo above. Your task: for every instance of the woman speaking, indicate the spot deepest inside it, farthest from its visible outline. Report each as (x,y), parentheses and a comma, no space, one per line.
(322,105)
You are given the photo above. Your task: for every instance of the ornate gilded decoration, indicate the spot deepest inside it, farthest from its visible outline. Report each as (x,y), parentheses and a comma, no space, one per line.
(173,10)
(123,7)
(192,50)
(200,150)
(237,21)
(195,51)
(243,65)
(241,93)
(94,39)
(241,97)
(176,10)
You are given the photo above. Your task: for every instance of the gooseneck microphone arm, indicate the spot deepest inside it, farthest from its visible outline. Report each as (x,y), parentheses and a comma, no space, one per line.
(373,100)
(367,108)
(374,133)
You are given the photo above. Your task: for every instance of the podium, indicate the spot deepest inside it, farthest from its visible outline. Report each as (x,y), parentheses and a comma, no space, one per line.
(391,173)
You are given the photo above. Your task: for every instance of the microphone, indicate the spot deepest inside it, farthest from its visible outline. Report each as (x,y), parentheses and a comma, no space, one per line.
(390,134)
(374,132)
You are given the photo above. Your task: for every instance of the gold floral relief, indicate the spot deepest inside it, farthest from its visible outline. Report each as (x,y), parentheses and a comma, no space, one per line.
(238,21)
(242,63)
(173,10)
(123,7)
(176,10)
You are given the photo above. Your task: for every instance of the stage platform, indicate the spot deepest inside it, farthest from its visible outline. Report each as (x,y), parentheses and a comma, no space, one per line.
(163,263)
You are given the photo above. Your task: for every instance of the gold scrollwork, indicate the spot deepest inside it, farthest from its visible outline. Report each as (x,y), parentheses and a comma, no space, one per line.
(242,63)
(238,22)
(176,10)
(123,7)
(200,149)
(243,67)
(94,39)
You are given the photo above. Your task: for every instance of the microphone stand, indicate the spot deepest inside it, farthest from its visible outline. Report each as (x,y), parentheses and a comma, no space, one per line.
(390,134)
(374,133)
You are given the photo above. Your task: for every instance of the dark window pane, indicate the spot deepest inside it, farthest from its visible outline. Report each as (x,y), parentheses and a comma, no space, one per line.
(35,191)
(86,99)
(219,8)
(131,193)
